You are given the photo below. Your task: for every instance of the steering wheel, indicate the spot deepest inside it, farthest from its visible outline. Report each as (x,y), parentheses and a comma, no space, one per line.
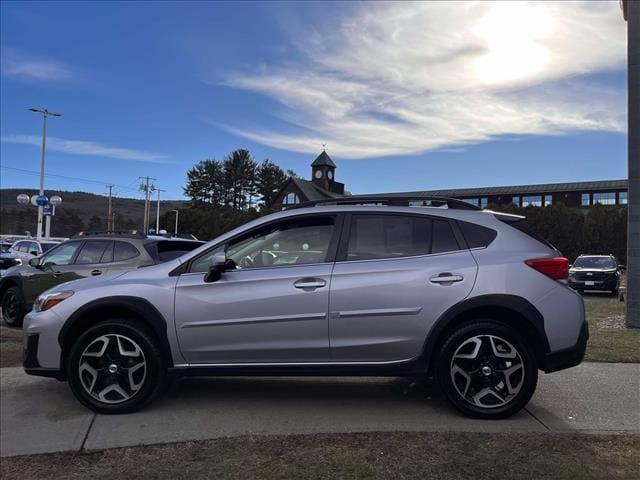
(246,262)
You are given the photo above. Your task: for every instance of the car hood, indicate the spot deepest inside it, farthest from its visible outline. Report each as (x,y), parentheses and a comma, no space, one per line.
(592,270)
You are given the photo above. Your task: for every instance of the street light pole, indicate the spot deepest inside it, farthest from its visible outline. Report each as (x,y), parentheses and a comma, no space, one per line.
(175,231)
(45,113)
(158,211)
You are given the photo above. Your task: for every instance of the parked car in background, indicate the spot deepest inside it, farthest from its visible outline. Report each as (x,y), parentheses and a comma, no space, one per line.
(22,251)
(82,256)
(472,297)
(596,272)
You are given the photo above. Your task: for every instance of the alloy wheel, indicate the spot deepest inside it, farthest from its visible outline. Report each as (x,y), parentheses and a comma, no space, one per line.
(112,368)
(487,371)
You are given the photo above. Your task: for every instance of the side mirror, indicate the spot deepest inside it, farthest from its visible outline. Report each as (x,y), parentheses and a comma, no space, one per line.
(34,262)
(34,253)
(218,265)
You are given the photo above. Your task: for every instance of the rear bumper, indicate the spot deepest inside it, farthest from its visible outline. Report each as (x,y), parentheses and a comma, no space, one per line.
(567,357)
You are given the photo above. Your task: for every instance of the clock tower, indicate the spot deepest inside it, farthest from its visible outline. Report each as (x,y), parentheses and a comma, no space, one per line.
(323,172)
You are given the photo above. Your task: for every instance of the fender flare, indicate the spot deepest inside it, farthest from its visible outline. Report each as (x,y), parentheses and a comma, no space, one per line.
(141,307)
(533,318)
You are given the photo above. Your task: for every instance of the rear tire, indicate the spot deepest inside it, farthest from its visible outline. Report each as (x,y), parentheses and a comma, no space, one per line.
(13,309)
(487,370)
(116,366)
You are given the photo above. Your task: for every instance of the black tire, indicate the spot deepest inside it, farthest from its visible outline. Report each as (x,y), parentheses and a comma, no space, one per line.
(480,330)
(13,310)
(117,331)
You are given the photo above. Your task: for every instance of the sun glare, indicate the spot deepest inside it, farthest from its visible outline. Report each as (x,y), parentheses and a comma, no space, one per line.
(512,33)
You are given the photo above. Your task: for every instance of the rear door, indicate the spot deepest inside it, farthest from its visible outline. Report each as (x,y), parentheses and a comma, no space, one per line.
(395,275)
(94,258)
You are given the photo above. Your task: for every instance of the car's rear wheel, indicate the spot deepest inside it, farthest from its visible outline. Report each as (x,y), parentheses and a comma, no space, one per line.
(13,306)
(487,370)
(116,366)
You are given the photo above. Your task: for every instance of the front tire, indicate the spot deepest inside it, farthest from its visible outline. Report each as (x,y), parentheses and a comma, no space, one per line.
(13,310)
(116,366)
(487,370)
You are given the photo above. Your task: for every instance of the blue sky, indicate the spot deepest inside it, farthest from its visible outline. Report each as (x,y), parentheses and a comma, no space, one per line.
(406,96)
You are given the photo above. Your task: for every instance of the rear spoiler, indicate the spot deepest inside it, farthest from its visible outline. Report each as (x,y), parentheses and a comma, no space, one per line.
(506,217)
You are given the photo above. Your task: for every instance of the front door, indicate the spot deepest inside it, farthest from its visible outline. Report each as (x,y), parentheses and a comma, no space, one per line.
(397,275)
(270,308)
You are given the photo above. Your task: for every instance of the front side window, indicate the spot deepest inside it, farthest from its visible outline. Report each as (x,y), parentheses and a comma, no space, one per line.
(63,255)
(396,236)
(94,251)
(300,241)
(604,198)
(585,200)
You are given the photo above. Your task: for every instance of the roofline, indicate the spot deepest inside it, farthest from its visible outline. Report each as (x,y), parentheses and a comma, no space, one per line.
(531,188)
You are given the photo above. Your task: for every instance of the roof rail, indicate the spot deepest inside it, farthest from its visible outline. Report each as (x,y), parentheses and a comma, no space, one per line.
(399,201)
(121,234)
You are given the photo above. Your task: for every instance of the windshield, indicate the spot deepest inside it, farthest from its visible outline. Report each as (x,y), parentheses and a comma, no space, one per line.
(595,262)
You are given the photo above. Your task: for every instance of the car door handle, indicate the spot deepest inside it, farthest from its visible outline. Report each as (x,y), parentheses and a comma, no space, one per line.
(310,283)
(96,272)
(446,278)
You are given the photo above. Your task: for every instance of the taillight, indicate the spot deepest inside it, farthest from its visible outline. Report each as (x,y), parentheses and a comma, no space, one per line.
(556,268)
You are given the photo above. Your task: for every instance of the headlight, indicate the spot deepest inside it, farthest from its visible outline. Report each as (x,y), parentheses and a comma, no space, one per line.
(49,300)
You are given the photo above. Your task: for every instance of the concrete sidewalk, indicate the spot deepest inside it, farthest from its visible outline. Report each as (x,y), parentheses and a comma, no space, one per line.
(41,415)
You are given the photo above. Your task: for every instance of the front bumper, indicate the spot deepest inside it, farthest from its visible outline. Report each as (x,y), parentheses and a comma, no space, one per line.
(567,357)
(30,359)
(41,350)
(604,284)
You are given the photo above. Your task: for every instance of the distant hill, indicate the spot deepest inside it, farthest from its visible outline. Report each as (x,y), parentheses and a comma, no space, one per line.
(79,211)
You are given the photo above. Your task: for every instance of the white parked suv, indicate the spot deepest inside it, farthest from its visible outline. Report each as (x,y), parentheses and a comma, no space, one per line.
(354,286)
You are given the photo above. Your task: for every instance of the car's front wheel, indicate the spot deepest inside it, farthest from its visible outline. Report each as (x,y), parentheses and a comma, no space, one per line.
(116,366)
(487,369)
(12,306)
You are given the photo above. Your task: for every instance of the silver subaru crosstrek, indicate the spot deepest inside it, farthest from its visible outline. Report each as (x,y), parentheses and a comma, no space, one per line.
(356,286)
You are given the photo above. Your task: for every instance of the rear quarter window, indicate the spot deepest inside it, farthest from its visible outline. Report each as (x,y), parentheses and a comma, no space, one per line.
(477,236)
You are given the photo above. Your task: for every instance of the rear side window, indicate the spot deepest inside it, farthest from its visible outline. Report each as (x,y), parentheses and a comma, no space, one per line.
(124,251)
(396,236)
(93,251)
(443,238)
(477,236)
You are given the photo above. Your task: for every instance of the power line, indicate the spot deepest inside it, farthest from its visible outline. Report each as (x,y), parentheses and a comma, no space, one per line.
(78,179)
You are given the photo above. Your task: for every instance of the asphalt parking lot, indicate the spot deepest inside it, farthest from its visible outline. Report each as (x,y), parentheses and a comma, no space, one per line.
(41,415)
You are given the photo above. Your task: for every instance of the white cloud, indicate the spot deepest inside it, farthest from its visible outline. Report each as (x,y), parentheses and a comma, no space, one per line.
(399,78)
(82,147)
(20,65)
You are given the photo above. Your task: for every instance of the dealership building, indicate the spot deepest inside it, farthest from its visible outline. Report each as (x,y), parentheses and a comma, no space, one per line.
(323,185)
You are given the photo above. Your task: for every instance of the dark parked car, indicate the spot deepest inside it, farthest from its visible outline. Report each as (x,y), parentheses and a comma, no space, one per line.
(596,272)
(82,256)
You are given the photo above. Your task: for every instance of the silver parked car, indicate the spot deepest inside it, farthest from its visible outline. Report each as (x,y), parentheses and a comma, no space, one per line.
(355,286)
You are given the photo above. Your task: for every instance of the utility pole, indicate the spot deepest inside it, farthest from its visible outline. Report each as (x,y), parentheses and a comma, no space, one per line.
(158,211)
(175,231)
(109,212)
(631,12)
(146,188)
(45,113)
